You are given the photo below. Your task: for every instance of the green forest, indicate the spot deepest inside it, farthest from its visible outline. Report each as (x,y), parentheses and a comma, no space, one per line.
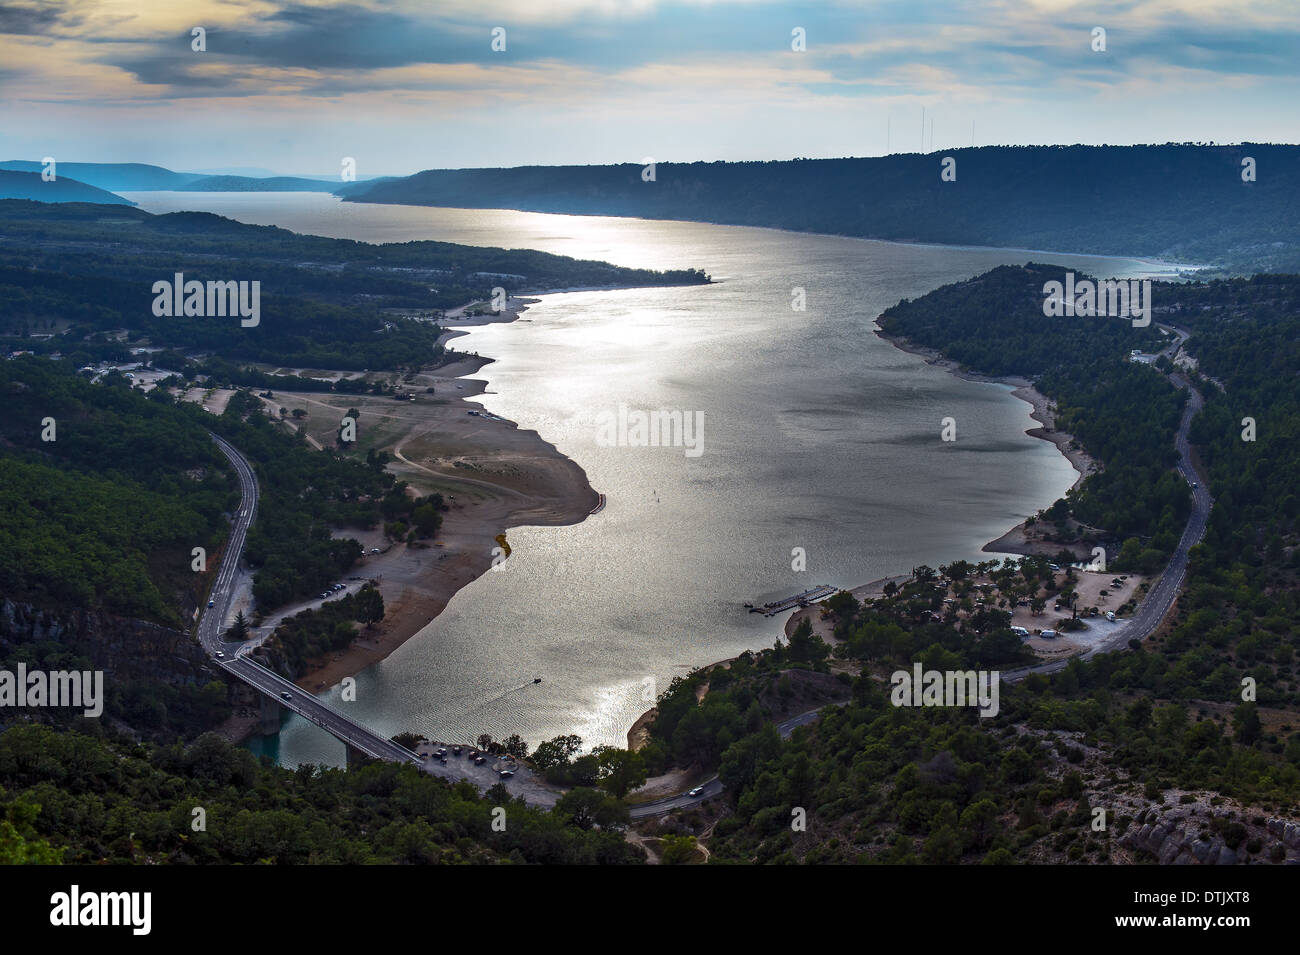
(71,798)
(1119,200)
(87,272)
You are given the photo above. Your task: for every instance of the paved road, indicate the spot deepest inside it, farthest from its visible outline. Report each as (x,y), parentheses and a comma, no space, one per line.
(1160,598)
(713,786)
(227,655)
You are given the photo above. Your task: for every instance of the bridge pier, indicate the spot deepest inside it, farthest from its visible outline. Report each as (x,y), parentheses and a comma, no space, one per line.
(268,716)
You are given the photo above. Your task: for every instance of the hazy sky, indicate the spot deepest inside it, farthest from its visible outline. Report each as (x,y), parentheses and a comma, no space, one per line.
(403,86)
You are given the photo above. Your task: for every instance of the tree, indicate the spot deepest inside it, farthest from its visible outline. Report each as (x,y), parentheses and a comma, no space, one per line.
(556,752)
(1246,719)
(678,850)
(621,770)
(238,631)
(427,520)
(942,848)
(585,808)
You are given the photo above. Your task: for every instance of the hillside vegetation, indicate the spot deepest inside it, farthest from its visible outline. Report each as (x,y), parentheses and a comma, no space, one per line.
(1182,202)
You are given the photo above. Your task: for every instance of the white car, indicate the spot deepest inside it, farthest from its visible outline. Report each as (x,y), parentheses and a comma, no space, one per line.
(696,791)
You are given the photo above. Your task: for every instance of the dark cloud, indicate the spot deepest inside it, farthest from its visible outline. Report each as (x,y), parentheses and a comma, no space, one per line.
(34,19)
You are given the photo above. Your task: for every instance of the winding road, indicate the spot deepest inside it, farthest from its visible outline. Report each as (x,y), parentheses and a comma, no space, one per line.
(1160,598)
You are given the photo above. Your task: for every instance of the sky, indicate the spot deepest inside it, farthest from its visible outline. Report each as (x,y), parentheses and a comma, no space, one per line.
(400,86)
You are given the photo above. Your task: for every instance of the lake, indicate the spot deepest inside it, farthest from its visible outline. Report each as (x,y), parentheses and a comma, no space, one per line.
(816,435)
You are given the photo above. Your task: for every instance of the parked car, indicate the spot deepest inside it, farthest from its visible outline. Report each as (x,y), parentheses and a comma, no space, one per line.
(507,773)
(479,760)
(455,750)
(1049,634)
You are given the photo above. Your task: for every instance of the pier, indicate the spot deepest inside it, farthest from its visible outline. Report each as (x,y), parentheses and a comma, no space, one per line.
(810,596)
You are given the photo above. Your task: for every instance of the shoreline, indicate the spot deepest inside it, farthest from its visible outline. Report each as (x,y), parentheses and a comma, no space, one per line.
(413,601)
(1015,541)
(493,475)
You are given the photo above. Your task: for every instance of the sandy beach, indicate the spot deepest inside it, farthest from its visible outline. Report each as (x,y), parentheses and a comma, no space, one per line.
(492,474)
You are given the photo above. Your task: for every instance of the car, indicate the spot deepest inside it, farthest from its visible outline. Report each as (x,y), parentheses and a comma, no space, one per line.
(220,655)
(286,695)
(323,595)
(455,750)
(506,773)
(338,587)
(211,603)
(1049,634)
(1194,484)
(696,791)
(374,550)
(479,760)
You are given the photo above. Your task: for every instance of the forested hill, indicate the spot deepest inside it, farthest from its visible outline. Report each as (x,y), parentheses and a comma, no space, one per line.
(1241,607)
(30,185)
(1181,202)
(328,303)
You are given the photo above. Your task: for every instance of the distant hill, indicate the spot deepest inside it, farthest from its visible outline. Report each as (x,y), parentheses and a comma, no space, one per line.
(127,177)
(250,184)
(140,177)
(29,185)
(1182,202)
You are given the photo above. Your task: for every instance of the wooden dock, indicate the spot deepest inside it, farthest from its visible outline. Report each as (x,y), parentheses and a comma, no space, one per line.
(809,596)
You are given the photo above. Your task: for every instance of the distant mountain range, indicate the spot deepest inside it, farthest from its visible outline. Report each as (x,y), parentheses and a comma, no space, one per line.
(139,177)
(1181,202)
(1236,208)
(30,185)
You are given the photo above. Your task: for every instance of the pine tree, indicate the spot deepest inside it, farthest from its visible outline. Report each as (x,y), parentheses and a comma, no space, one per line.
(238,631)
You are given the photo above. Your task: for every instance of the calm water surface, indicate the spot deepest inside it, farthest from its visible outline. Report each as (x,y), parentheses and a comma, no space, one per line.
(817,435)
